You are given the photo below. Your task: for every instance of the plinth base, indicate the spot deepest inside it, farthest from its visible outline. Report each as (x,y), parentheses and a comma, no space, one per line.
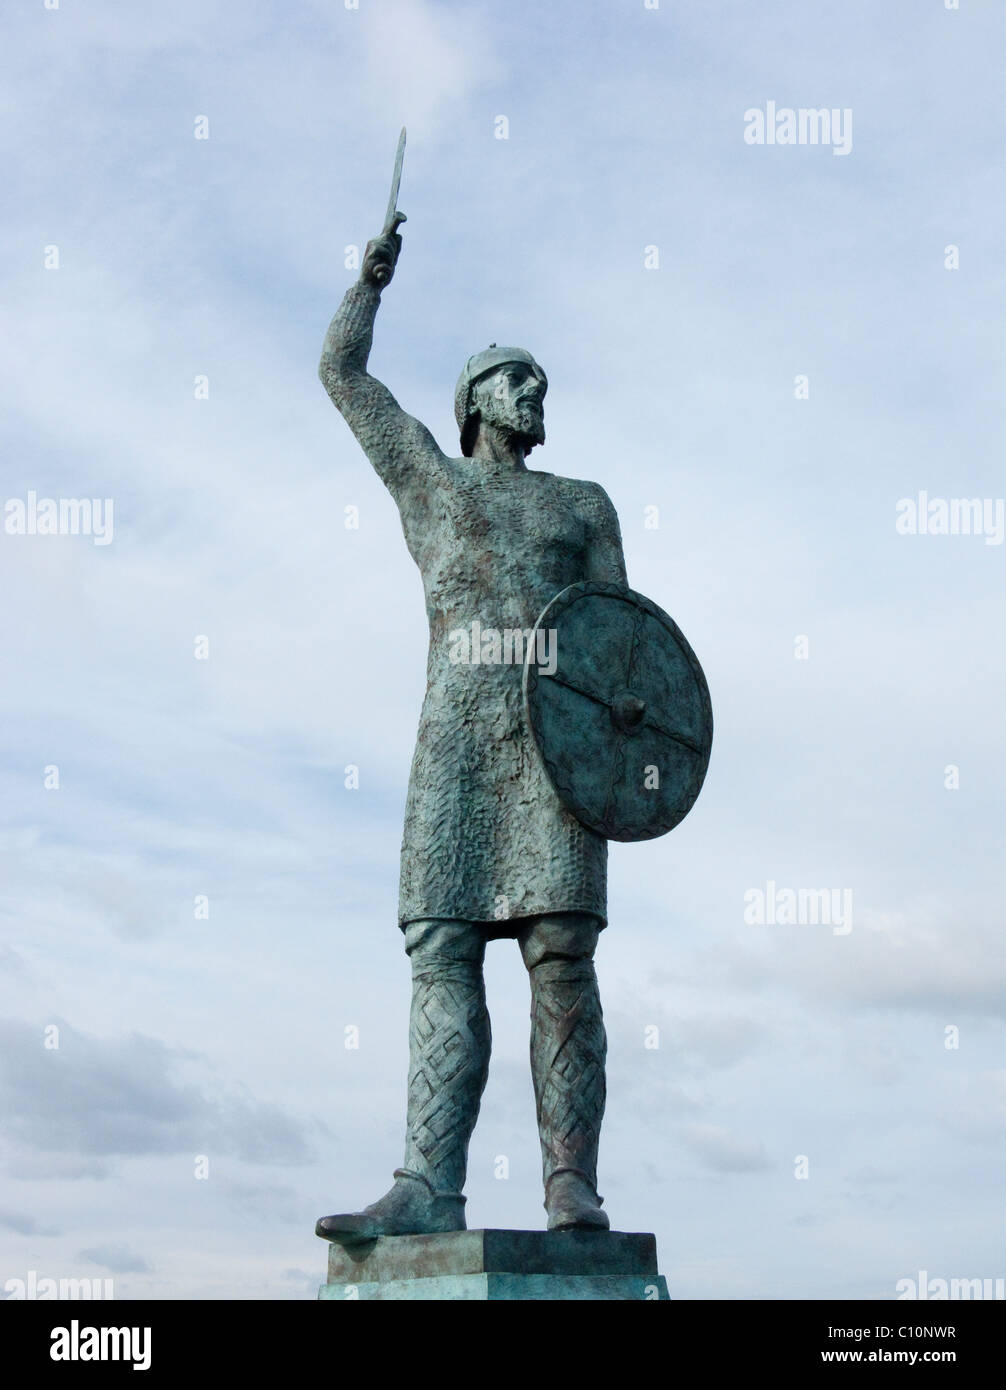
(494,1265)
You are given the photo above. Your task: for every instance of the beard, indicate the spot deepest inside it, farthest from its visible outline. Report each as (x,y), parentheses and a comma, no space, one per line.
(517,420)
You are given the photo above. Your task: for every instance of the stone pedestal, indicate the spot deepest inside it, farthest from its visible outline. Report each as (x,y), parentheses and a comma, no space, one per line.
(491,1265)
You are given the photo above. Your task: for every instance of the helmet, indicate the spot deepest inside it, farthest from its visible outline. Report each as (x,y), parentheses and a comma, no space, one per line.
(479,366)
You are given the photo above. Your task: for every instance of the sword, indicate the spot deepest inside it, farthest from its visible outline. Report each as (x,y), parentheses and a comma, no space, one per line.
(393,217)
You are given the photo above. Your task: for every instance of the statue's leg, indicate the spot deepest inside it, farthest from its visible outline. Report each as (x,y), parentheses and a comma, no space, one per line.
(568,1048)
(449,1044)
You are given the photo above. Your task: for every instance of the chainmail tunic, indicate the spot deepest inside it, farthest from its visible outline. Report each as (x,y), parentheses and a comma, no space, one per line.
(486,837)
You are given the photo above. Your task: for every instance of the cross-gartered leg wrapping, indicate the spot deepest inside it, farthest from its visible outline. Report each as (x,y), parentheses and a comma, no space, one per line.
(449,1045)
(568,1050)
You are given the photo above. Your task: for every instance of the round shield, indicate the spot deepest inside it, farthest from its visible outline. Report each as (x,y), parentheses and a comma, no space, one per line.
(619,711)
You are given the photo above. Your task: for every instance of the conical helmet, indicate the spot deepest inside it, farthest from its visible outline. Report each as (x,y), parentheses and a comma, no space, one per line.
(479,366)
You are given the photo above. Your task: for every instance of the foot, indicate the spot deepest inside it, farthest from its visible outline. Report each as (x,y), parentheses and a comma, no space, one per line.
(412,1207)
(572,1204)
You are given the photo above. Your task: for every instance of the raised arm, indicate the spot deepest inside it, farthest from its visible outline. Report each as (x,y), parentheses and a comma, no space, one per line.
(396,444)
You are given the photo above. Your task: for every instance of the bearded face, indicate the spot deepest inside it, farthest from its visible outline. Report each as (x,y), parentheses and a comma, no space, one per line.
(511,399)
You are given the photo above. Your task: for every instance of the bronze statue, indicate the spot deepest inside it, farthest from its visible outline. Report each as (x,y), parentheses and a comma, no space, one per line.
(491,846)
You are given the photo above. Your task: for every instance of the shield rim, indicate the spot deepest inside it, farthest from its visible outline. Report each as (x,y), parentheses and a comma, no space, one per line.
(564,599)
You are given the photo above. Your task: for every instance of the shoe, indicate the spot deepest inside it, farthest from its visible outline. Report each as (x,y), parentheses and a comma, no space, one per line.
(412,1207)
(573,1205)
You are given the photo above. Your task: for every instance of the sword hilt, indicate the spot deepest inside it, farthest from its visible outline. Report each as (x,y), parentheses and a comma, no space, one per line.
(382,274)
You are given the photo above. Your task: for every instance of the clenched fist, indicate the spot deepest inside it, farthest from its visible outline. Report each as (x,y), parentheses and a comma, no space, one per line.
(381,255)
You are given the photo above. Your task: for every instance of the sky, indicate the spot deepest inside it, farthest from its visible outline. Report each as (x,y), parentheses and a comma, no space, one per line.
(763,347)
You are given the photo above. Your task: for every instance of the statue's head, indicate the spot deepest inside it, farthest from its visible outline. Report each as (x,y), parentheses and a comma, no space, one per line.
(505,387)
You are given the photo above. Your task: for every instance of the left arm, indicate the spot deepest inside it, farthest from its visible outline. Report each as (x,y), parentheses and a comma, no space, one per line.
(605,560)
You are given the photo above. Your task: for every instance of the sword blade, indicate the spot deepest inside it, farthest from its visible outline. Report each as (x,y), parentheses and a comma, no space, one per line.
(396,181)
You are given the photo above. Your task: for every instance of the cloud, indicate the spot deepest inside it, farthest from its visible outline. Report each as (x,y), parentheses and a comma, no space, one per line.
(117,1258)
(96,1098)
(940,958)
(33,1163)
(24,1225)
(974,1110)
(725,1152)
(269,1203)
(699,1041)
(13,961)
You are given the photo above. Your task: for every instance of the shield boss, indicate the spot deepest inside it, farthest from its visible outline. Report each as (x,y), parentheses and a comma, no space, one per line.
(623,725)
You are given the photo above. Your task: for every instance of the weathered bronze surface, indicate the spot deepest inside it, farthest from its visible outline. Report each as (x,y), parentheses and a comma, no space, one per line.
(491,1265)
(623,724)
(494,1252)
(490,847)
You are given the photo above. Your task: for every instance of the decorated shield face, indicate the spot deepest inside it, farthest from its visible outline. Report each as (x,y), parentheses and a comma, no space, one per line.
(622,719)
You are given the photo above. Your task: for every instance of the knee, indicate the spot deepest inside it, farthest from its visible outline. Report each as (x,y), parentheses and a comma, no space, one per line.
(570,936)
(437,941)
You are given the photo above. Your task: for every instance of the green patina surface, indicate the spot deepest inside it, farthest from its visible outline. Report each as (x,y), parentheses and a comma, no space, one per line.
(497,1265)
(506,1287)
(495,1252)
(513,793)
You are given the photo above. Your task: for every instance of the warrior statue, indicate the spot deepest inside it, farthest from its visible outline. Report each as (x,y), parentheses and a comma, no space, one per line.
(490,848)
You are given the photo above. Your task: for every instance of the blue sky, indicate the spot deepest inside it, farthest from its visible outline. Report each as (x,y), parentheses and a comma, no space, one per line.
(674,387)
